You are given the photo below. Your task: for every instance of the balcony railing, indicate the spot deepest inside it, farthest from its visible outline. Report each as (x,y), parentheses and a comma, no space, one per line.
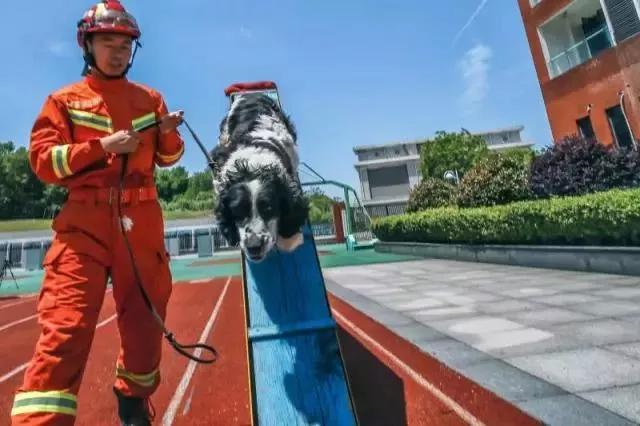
(580,52)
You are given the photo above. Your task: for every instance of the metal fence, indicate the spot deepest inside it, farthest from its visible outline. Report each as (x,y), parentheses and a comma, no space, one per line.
(29,254)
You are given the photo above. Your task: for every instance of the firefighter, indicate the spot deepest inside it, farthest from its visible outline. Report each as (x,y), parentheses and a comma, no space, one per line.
(79,141)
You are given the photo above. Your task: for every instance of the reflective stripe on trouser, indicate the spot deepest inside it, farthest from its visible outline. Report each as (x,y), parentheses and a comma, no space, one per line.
(44,402)
(144,380)
(72,294)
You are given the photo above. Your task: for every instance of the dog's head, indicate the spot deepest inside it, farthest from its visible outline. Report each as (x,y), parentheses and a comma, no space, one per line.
(256,207)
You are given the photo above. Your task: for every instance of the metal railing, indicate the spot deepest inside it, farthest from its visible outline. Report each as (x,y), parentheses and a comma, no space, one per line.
(578,54)
(29,254)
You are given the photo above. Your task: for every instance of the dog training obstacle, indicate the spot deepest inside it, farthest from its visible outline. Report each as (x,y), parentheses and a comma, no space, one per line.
(296,368)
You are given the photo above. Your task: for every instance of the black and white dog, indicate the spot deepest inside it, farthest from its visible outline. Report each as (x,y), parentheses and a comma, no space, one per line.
(255,167)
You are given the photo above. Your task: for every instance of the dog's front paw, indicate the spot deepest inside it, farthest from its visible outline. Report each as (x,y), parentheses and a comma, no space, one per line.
(291,243)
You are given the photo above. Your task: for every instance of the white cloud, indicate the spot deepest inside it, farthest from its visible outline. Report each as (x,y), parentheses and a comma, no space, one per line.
(60,48)
(472,18)
(475,66)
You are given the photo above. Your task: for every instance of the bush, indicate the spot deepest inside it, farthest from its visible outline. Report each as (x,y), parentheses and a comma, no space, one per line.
(579,166)
(605,218)
(202,202)
(499,179)
(451,151)
(430,193)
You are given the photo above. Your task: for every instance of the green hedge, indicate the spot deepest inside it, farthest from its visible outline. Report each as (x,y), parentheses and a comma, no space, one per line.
(605,218)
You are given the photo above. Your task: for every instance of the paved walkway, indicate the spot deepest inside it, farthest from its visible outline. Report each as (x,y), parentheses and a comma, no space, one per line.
(563,346)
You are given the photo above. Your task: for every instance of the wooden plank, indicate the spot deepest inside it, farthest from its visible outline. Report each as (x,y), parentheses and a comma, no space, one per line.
(296,367)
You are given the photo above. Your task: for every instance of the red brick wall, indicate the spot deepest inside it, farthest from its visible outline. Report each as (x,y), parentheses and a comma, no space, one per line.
(597,82)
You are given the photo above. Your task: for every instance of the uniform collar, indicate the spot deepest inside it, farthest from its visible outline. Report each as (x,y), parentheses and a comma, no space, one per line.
(101,84)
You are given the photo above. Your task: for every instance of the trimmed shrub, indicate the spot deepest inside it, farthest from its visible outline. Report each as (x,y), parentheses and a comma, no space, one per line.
(577,166)
(604,218)
(430,193)
(499,179)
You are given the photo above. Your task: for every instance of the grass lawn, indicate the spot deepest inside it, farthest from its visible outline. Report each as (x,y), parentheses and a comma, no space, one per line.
(40,224)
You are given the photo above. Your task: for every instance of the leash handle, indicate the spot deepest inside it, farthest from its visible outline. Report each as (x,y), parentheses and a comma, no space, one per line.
(182,350)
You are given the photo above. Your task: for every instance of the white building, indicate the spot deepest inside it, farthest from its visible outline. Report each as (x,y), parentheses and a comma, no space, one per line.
(388,172)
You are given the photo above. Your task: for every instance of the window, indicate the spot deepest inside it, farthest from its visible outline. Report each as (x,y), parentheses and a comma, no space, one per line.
(585,128)
(623,15)
(388,182)
(534,2)
(575,35)
(619,127)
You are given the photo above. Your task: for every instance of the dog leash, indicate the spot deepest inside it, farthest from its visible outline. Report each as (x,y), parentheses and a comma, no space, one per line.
(180,348)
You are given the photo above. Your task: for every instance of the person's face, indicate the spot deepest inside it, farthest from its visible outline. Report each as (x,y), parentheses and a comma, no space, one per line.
(112,52)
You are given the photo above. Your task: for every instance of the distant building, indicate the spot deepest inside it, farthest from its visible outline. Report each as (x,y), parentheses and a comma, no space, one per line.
(587,58)
(388,172)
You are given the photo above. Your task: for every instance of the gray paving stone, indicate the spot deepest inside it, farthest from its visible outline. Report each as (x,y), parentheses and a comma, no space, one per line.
(598,332)
(416,332)
(547,316)
(564,299)
(452,352)
(570,410)
(476,325)
(628,349)
(482,297)
(529,291)
(623,400)
(582,370)
(507,381)
(503,340)
(608,308)
(634,319)
(619,292)
(555,343)
(447,312)
(509,305)
(414,304)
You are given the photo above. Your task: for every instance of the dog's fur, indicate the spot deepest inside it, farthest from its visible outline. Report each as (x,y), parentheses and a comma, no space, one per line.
(255,164)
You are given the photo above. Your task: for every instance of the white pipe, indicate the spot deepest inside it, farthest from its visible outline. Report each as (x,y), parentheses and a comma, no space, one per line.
(624,114)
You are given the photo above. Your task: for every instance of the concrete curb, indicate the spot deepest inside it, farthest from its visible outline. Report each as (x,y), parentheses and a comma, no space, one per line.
(610,260)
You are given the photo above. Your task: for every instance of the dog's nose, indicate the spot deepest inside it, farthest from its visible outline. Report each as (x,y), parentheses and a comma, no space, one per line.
(254,240)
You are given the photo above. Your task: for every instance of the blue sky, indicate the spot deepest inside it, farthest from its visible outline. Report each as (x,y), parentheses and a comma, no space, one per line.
(350,73)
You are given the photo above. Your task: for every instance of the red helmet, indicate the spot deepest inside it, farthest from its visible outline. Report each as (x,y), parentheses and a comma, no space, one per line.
(108,16)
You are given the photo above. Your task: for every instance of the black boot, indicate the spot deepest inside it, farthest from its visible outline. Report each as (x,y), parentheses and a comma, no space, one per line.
(133,411)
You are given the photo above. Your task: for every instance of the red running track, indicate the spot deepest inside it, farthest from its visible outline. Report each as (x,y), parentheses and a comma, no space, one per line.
(392,381)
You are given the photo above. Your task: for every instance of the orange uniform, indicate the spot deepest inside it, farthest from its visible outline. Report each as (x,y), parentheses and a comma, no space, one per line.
(88,246)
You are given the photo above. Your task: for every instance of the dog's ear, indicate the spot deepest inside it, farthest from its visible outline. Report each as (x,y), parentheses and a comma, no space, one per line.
(294,209)
(226,221)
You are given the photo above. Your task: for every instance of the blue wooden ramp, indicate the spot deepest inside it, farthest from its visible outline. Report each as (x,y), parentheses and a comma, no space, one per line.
(296,368)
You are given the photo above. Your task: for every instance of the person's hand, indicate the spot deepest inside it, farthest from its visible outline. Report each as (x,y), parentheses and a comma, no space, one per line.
(121,142)
(170,121)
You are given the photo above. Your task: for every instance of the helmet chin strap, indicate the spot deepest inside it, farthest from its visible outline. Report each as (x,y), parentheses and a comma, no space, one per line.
(90,62)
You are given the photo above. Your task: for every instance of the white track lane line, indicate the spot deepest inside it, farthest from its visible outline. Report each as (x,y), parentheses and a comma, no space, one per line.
(8,305)
(18,369)
(417,377)
(20,321)
(170,414)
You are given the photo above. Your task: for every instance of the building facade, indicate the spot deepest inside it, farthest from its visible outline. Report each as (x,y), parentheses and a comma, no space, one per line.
(587,57)
(388,173)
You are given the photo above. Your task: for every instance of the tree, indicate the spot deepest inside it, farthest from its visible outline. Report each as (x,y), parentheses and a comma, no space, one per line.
(200,182)
(500,178)
(576,166)
(171,182)
(21,193)
(451,151)
(320,206)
